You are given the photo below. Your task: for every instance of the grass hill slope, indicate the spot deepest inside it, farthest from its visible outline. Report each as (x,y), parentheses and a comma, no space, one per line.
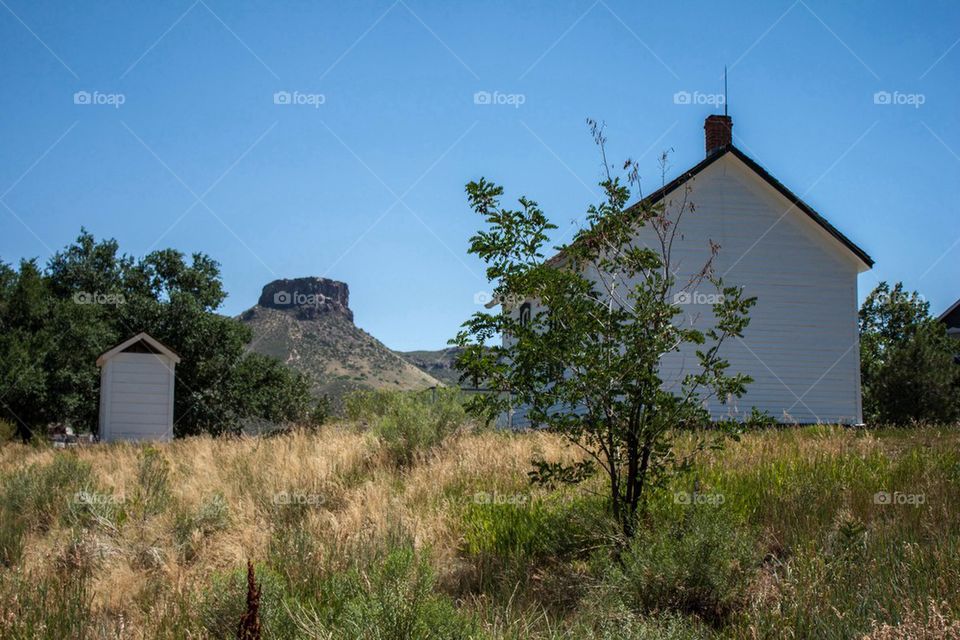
(437,364)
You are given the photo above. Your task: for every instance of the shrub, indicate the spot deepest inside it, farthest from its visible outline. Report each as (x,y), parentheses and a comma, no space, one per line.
(374,589)
(152,495)
(8,431)
(224,602)
(518,547)
(390,599)
(531,530)
(34,498)
(191,527)
(698,561)
(906,360)
(408,423)
(45,606)
(614,624)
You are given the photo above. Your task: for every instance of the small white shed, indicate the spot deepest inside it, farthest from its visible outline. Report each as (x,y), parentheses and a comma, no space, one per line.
(136,390)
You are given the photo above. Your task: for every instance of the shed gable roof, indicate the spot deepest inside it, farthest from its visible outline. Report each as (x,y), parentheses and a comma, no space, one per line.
(677,182)
(140,337)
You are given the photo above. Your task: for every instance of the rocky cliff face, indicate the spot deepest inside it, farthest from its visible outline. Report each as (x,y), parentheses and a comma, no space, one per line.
(308,298)
(307,323)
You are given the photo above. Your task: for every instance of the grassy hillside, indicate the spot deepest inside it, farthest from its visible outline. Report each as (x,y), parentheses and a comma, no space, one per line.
(438,364)
(373,530)
(338,356)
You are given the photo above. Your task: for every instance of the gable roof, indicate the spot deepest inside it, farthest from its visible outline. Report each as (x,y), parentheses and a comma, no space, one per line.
(142,336)
(945,316)
(674,184)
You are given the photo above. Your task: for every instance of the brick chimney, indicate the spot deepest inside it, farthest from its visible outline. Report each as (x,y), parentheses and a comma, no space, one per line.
(718,132)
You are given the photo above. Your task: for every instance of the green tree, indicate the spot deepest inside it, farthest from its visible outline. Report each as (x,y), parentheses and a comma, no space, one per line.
(53,330)
(906,360)
(586,361)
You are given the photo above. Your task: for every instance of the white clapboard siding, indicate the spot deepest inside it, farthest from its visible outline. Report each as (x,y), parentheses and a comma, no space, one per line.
(137,392)
(801,347)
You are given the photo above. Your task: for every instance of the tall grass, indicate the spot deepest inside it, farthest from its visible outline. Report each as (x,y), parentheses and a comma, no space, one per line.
(408,423)
(358,532)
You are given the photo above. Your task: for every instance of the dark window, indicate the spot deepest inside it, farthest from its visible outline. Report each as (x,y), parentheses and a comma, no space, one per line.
(140,346)
(524,314)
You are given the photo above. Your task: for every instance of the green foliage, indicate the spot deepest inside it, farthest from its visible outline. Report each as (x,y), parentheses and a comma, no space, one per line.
(519,546)
(45,607)
(191,527)
(906,360)
(511,530)
(34,497)
(392,599)
(554,474)
(220,607)
(408,423)
(609,621)
(585,360)
(370,589)
(55,321)
(152,494)
(700,562)
(264,388)
(8,431)
(321,412)
(516,527)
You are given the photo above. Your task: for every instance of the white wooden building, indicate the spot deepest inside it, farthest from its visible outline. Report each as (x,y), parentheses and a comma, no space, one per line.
(136,390)
(951,318)
(802,345)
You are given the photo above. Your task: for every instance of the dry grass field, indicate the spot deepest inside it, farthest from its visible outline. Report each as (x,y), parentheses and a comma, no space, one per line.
(783,534)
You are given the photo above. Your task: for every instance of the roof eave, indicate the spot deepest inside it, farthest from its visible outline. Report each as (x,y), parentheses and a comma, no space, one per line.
(720,152)
(143,335)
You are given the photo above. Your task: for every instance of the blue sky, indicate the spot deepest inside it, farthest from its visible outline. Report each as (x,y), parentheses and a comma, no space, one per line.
(363,179)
